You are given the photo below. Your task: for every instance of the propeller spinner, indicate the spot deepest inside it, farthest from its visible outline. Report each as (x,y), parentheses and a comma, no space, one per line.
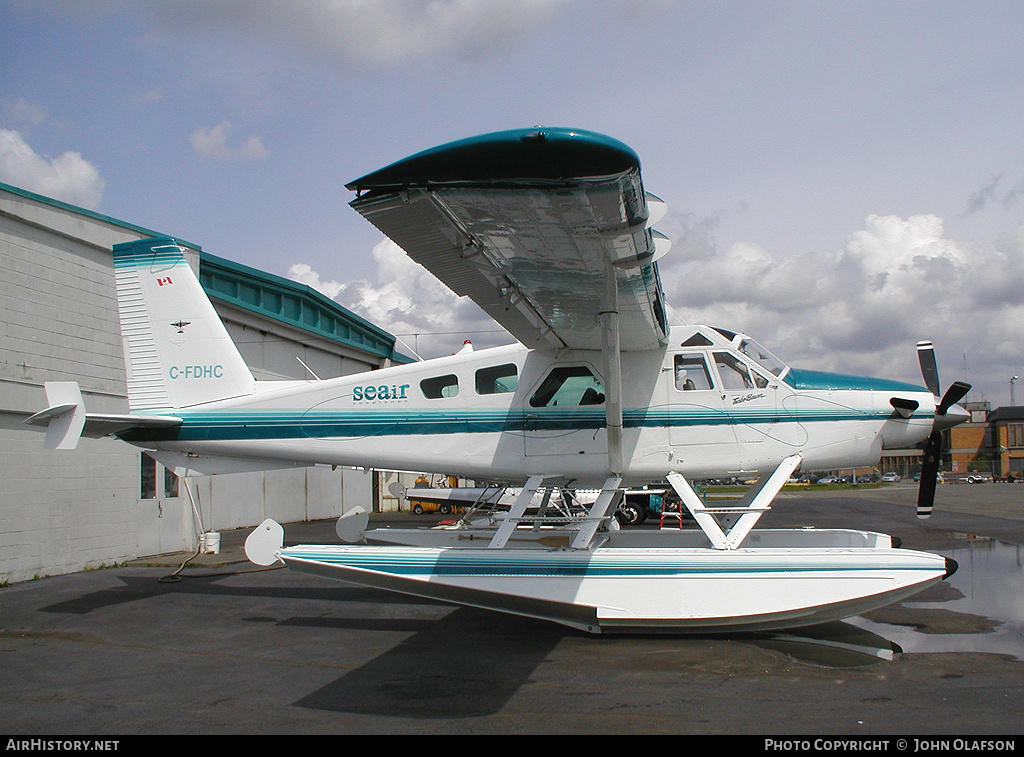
(943,419)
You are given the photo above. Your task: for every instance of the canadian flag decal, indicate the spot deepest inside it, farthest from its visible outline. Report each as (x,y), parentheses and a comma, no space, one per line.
(166,280)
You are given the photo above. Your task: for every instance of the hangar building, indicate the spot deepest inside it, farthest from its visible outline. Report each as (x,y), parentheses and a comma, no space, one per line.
(107,502)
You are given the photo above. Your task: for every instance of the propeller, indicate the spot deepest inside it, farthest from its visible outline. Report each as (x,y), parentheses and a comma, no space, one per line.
(933,447)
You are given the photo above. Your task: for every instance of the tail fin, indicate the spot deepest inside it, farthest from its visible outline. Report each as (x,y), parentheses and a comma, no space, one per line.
(177,351)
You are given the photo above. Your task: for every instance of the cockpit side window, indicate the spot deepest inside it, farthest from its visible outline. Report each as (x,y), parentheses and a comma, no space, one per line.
(691,372)
(734,374)
(569,386)
(759,381)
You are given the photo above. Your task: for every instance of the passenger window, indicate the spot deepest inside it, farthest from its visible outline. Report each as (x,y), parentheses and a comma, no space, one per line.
(734,374)
(569,386)
(691,372)
(441,386)
(498,380)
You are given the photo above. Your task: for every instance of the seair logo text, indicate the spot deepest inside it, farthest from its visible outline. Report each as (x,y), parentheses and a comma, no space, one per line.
(195,372)
(382,392)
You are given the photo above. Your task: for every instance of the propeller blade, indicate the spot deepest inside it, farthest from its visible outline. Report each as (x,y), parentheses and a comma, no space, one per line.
(929,476)
(929,367)
(956,392)
(933,447)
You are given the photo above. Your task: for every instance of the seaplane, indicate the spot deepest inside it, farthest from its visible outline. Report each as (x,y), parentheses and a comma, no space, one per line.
(551,232)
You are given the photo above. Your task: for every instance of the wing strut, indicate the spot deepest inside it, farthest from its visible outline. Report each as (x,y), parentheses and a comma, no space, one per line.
(613,373)
(753,506)
(515,514)
(606,503)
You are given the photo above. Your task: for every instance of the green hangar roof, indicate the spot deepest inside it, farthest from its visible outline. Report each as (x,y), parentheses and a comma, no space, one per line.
(294,304)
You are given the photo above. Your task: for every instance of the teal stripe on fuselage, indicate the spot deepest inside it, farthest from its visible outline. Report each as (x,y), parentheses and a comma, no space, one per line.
(290,424)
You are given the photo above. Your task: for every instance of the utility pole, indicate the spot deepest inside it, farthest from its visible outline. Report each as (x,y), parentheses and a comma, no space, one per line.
(1013,401)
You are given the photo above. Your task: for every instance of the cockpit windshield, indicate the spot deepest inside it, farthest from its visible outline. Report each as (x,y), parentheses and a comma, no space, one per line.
(763,357)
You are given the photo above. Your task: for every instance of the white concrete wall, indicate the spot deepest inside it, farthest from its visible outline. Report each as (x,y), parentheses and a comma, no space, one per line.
(273,350)
(63,511)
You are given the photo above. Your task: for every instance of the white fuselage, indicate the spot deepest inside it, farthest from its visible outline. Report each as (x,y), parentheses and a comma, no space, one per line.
(503,414)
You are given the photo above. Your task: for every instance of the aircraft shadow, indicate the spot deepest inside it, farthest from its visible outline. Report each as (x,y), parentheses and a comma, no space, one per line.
(139,588)
(467,664)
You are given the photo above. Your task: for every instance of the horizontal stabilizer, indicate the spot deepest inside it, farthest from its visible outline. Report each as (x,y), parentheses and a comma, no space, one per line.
(66,420)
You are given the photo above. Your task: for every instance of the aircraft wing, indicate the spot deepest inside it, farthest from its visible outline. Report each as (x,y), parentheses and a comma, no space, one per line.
(545,229)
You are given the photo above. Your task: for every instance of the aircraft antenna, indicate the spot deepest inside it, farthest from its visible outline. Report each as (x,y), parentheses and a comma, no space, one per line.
(414,353)
(308,369)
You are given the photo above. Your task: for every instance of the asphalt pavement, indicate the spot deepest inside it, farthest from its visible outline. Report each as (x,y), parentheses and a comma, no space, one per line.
(220,647)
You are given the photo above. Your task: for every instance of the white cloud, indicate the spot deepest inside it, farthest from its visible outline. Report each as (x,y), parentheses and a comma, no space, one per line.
(863,308)
(68,177)
(304,274)
(215,143)
(410,302)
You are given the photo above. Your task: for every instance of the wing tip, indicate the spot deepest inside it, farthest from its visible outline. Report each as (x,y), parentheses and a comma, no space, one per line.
(538,154)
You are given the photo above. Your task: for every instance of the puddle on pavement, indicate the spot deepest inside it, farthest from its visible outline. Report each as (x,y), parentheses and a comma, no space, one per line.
(978,609)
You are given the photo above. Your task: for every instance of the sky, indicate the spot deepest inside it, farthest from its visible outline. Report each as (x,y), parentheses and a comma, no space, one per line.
(843,178)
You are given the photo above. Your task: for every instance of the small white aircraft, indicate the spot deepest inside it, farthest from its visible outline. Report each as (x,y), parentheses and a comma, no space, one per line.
(551,232)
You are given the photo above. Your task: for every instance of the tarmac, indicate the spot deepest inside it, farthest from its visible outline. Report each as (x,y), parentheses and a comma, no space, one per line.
(212,645)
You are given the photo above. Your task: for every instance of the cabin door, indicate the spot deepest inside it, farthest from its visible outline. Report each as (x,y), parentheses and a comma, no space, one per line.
(565,414)
(696,412)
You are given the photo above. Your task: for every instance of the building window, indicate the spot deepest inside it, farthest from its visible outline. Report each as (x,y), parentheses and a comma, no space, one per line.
(170,483)
(152,474)
(148,477)
(1015,435)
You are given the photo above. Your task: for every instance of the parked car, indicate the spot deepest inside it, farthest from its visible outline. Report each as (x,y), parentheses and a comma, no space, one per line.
(867,478)
(891,478)
(828,480)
